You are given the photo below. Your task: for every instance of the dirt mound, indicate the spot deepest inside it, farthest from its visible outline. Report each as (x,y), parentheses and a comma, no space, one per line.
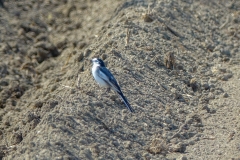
(176,61)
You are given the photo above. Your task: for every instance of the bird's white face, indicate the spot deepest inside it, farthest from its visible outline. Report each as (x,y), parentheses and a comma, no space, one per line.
(95,61)
(98,62)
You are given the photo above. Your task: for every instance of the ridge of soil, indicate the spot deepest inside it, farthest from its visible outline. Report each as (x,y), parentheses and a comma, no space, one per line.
(177,62)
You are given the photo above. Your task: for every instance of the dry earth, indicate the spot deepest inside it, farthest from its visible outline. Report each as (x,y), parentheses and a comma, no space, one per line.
(177,62)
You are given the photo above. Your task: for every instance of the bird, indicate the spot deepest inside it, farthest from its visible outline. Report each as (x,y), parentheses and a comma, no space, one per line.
(105,79)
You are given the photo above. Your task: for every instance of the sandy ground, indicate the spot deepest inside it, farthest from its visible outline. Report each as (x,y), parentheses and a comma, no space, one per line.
(177,62)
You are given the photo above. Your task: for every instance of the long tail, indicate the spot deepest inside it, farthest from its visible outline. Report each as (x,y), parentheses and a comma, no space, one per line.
(126,102)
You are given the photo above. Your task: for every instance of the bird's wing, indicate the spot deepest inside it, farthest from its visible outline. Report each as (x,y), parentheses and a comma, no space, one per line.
(107,76)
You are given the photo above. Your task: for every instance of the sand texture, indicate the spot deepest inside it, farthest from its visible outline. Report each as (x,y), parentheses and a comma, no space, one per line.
(177,62)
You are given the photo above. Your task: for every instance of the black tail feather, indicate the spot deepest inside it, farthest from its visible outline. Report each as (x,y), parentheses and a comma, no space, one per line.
(126,102)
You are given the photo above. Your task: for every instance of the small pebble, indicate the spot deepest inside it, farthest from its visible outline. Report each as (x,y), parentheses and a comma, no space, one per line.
(182,157)
(225,95)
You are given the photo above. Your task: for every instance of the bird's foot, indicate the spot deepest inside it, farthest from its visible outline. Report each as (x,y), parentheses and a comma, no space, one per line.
(108,90)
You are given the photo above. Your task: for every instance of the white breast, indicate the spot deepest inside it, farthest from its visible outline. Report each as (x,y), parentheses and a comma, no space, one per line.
(98,79)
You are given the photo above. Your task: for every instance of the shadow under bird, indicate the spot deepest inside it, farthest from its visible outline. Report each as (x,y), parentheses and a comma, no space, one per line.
(105,79)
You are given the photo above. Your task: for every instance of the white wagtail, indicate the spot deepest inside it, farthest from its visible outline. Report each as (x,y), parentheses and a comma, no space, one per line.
(105,79)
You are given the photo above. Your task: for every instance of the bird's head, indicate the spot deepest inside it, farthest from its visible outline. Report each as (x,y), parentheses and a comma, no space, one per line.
(97,61)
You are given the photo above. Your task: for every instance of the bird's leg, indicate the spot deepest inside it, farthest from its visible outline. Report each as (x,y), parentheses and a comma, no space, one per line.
(104,94)
(108,90)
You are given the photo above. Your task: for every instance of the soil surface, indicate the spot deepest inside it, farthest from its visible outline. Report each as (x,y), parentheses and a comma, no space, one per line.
(176,61)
